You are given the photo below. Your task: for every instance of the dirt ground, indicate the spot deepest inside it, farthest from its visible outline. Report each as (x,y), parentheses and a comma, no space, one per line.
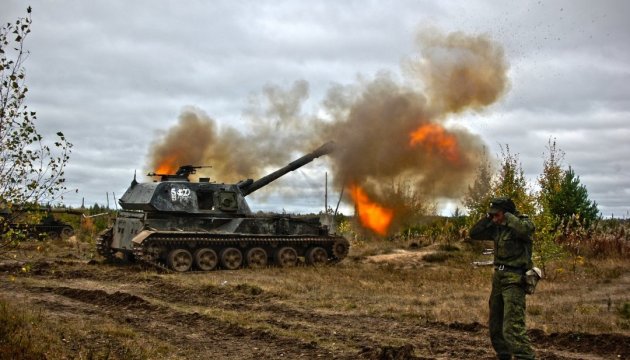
(130,311)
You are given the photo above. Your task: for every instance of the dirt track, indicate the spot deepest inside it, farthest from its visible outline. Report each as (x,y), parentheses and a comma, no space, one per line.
(188,322)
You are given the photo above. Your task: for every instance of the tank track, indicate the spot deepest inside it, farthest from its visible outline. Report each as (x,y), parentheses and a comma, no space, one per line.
(138,254)
(103,244)
(336,246)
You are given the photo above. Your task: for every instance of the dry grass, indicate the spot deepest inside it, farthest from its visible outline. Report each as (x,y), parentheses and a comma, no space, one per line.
(21,333)
(583,295)
(28,333)
(449,291)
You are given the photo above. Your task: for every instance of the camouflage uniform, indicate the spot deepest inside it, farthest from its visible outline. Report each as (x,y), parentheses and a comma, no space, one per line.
(512,257)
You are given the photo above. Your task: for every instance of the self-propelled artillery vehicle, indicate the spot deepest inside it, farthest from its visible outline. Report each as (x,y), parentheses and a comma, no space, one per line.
(203,225)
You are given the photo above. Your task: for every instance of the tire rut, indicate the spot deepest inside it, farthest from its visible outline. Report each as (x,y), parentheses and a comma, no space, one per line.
(360,332)
(192,334)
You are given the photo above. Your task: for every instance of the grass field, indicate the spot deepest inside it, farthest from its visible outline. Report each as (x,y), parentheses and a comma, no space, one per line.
(384,300)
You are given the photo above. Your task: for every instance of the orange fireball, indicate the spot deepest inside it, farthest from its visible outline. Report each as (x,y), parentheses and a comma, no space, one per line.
(372,215)
(433,137)
(167,165)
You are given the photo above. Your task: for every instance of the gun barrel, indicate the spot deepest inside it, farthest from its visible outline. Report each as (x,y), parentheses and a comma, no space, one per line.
(50,210)
(68,211)
(249,187)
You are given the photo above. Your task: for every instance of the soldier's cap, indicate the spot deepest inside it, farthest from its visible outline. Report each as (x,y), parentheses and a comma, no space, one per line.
(503,204)
(493,210)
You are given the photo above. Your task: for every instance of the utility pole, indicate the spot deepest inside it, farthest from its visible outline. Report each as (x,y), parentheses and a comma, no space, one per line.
(339,201)
(326,194)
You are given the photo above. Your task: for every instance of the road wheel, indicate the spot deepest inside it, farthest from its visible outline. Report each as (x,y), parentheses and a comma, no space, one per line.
(180,260)
(256,258)
(231,258)
(67,232)
(340,249)
(152,252)
(206,259)
(316,256)
(286,257)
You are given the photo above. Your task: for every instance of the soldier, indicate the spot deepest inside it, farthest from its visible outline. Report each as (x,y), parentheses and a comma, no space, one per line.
(512,235)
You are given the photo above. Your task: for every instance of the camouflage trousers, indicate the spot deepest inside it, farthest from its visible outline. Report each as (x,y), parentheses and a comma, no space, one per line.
(507,317)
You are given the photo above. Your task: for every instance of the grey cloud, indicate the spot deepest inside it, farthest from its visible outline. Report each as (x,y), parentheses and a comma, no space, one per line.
(113,74)
(569,85)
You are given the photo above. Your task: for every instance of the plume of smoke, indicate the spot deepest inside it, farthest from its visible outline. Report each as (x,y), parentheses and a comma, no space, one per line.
(459,71)
(234,155)
(183,144)
(372,122)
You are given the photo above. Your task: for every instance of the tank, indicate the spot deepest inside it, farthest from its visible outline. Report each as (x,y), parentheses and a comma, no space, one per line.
(181,225)
(48,227)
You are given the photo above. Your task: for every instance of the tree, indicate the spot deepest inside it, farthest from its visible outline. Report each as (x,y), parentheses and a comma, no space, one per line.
(510,182)
(561,194)
(545,245)
(477,198)
(571,204)
(31,169)
(551,178)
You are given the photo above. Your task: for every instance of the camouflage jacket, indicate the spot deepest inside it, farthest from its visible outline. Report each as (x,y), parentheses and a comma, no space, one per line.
(512,239)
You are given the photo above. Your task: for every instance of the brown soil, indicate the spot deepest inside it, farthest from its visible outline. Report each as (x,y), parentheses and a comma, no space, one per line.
(188,321)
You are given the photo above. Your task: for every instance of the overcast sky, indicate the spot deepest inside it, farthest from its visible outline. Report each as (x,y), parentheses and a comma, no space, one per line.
(114,74)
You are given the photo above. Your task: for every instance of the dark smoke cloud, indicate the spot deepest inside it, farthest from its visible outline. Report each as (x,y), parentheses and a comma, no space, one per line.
(372,123)
(459,73)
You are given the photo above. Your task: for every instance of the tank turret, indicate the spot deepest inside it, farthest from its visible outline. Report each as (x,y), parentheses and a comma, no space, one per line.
(204,225)
(175,192)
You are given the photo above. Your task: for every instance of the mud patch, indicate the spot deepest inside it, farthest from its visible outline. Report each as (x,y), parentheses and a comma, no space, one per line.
(612,344)
(24,267)
(404,352)
(231,296)
(472,327)
(11,266)
(100,297)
